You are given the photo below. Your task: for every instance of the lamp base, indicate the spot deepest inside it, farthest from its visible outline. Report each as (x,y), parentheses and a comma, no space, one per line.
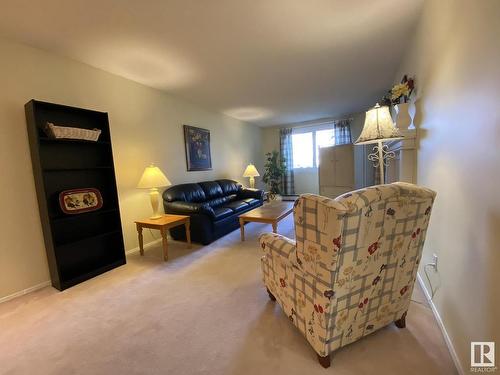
(380,158)
(154,195)
(252,182)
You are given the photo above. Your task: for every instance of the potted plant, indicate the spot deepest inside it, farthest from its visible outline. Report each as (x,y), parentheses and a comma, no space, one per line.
(274,170)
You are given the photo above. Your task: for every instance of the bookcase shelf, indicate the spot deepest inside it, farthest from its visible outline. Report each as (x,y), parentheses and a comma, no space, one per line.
(79,246)
(44,139)
(63,217)
(75,169)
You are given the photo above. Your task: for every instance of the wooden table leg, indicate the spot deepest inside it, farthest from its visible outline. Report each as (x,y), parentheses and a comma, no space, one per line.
(275,227)
(141,239)
(187,224)
(242,229)
(165,244)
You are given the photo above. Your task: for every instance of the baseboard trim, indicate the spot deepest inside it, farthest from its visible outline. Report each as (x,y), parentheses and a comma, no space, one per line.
(25,291)
(447,339)
(147,245)
(48,283)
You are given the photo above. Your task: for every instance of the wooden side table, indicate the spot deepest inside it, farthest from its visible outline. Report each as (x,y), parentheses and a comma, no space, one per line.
(163,225)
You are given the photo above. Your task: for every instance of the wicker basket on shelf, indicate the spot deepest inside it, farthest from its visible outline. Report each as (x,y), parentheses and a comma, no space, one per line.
(66,132)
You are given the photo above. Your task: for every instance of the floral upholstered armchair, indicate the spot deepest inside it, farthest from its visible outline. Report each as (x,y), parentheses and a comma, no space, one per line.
(352,268)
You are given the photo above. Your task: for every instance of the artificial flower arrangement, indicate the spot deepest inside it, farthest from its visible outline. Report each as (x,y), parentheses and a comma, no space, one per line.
(400,93)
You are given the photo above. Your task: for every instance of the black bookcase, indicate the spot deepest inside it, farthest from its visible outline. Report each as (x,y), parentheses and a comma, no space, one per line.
(84,245)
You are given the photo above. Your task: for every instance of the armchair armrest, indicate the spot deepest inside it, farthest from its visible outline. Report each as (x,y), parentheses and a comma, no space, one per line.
(251,193)
(275,244)
(188,208)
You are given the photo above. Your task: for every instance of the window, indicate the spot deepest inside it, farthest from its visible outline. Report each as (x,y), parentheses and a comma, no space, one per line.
(306,144)
(324,138)
(302,146)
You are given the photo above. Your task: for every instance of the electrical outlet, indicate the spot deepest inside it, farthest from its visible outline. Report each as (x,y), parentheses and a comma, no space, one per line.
(435,261)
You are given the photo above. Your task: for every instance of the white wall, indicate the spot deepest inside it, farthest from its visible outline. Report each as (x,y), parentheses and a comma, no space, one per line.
(306,180)
(455,58)
(146,126)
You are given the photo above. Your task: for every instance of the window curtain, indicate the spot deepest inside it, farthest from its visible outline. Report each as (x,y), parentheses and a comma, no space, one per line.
(342,131)
(287,155)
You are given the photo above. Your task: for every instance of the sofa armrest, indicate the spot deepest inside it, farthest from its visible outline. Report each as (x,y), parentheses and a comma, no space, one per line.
(275,244)
(251,193)
(188,208)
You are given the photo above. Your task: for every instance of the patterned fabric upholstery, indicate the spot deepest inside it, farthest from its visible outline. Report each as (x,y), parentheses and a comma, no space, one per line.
(353,265)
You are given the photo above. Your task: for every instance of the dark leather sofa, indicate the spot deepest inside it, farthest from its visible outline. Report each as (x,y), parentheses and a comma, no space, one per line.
(213,206)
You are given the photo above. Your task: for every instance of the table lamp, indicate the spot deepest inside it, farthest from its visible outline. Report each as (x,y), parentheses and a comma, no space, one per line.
(152,179)
(379,128)
(251,172)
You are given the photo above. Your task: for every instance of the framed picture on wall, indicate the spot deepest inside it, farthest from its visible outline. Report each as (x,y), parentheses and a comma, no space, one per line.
(197,141)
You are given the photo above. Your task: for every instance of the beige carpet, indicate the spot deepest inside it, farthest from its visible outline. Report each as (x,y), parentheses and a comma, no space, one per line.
(203,312)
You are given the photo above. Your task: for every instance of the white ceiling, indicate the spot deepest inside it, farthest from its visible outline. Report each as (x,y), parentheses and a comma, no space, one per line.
(264,61)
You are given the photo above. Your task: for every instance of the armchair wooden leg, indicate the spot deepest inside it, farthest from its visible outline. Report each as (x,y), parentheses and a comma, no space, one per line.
(271,296)
(401,322)
(324,361)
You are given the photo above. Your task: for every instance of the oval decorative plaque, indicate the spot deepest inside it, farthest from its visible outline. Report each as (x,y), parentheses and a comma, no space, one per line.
(77,201)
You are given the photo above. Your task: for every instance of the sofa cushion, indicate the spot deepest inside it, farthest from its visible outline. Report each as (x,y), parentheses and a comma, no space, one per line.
(184,193)
(222,212)
(232,197)
(217,202)
(186,208)
(237,206)
(212,189)
(229,186)
(251,201)
(251,193)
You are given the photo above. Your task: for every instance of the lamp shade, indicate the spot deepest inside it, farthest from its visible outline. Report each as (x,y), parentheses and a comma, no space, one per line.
(153,177)
(251,171)
(378,127)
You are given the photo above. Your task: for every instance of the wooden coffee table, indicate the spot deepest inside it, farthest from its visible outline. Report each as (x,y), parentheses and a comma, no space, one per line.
(163,224)
(269,213)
